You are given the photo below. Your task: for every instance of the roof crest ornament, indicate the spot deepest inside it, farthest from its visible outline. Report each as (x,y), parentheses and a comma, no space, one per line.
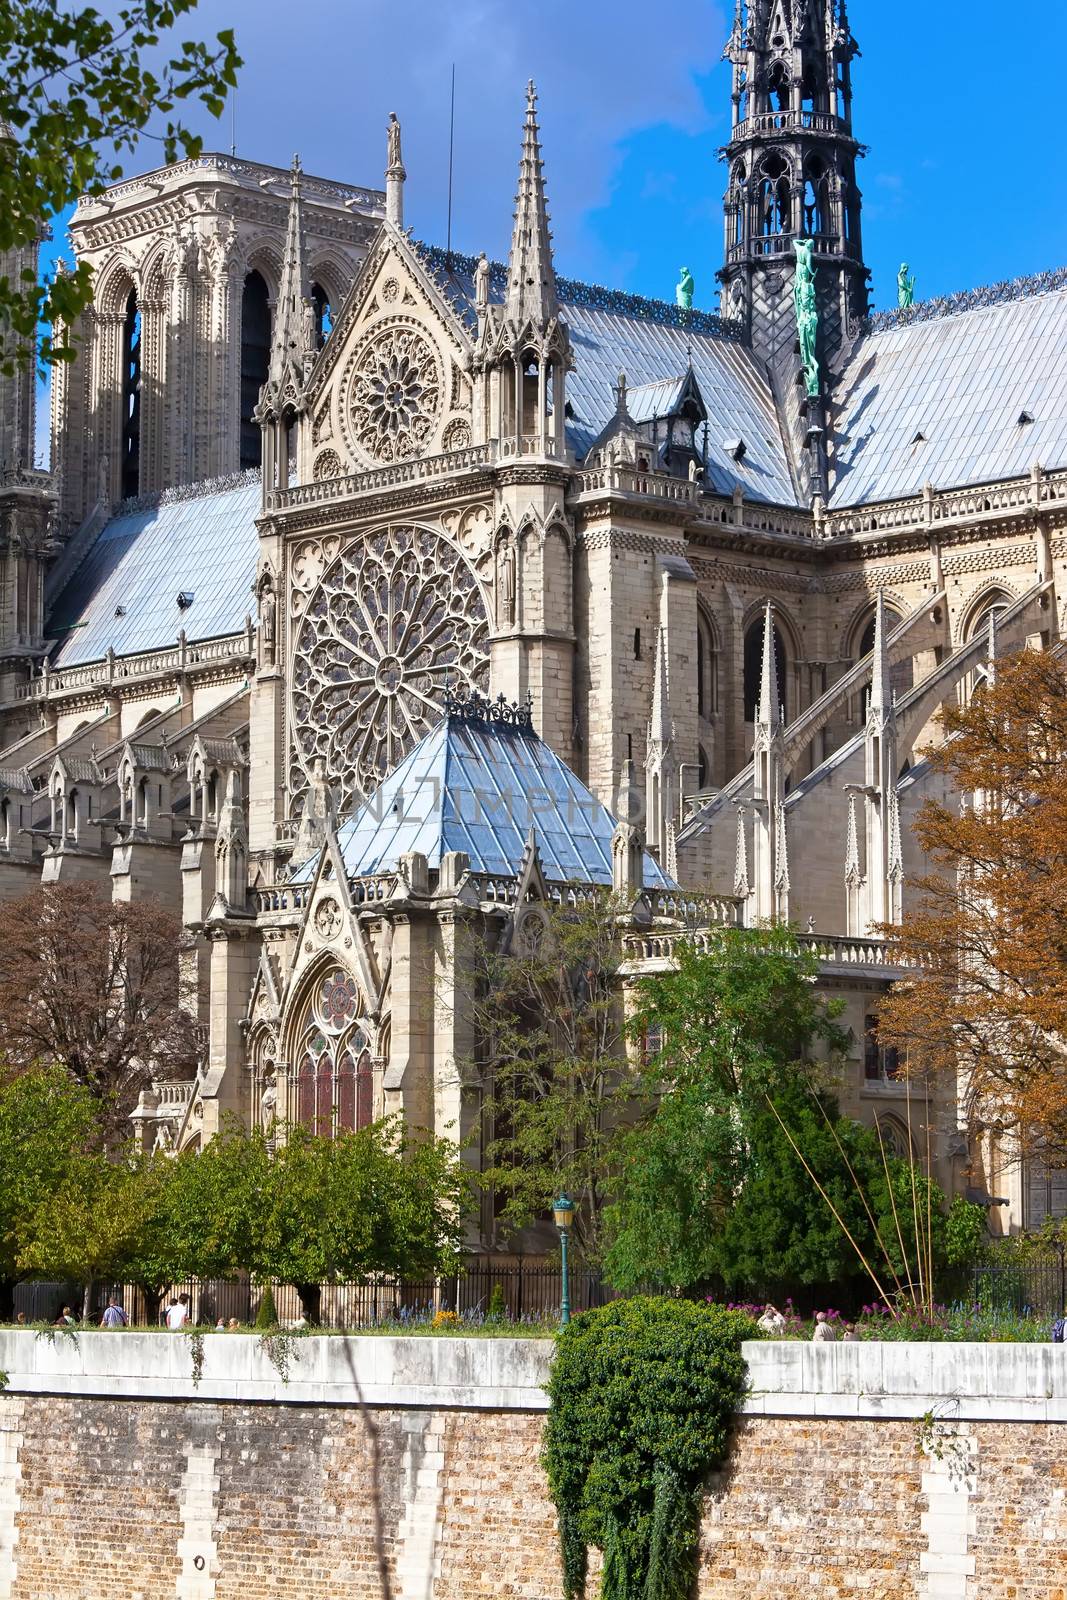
(950,305)
(472,707)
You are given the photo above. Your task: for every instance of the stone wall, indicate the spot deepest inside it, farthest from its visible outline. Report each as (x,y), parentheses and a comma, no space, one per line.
(878,1471)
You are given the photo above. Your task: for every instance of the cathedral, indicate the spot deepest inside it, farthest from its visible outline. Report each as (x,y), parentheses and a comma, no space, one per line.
(376,593)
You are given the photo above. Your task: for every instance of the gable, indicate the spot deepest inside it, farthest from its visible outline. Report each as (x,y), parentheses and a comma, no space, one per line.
(392,383)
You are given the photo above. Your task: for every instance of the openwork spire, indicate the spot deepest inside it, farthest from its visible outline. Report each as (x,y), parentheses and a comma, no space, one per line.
(531,295)
(294,319)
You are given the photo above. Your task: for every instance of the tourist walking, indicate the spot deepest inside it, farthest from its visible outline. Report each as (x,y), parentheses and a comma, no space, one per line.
(178,1313)
(114,1316)
(824,1333)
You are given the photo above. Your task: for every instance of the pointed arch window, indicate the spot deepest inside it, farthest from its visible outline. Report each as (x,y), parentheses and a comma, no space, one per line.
(131,400)
(707,668)
(255,362)
(775,202)
(779,88)
(320,300)
(334,1073)
(901,673)
(816,199)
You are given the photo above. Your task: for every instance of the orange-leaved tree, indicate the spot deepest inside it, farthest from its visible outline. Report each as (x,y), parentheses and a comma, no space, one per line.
(94,985)
(987,936)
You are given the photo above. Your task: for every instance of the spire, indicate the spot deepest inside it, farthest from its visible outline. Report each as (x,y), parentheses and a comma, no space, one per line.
(853,874)
(531,294)
(659,726)
(741,883)
(881,688)
(769,714)
(294,316)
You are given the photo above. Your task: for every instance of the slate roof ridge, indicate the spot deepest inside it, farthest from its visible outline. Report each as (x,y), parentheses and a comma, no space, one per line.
(977,299)
(573,291)
(227,483)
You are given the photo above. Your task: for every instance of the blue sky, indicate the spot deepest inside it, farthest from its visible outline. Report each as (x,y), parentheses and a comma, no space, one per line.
(961,108)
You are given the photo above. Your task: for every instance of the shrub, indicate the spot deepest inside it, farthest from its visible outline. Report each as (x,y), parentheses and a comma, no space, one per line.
(642,1393)
(267,1316)
(497,1311)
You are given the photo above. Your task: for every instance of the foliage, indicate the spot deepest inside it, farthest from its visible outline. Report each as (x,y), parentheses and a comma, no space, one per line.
(266,1315)
(46,1123)
(76,92)
(986,1005)
(734,1023)
(320,1210)
(551,1065)
(966,1232)
(642,1394)
(105,980)
(497,1308)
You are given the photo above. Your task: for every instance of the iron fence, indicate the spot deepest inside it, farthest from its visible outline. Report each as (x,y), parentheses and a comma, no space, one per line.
(1038,1286)
(527,1293)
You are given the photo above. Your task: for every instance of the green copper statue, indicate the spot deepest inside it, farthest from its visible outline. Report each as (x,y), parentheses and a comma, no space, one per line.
(807,313)
(905,287)
(684,292)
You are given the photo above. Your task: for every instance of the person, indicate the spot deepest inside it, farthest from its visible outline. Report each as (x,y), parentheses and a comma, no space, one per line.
(1059,1329)
(178,1313)
(772,1322)
(220,1326)
(233,1326)
(114,1316)
(21,1319)
(824,1333)
(850,1336)
(65,1319)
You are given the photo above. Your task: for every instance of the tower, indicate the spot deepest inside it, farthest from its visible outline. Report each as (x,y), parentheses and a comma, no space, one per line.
(792,175)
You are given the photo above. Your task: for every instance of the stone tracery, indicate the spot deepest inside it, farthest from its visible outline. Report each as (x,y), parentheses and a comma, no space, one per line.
(394,399)
(397,618)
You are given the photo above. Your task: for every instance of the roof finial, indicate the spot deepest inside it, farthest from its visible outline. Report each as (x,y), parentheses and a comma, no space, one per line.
(394,175)
(294,331)
(531,293)
(881,689)
(770,709)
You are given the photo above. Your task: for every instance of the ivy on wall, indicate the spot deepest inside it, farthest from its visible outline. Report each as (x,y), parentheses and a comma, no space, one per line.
(643,1393)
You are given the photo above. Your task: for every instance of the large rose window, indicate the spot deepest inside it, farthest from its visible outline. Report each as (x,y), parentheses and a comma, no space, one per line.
(397,618)
(393,400)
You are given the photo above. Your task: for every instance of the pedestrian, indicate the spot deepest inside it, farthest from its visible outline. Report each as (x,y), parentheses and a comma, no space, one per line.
(65,1319)
(178,1313)
(114,1316)
(771,1322)
(850,1336)
(21,1319)
(233,1326)
(1059,1329)
(824,1333)
(220,1326)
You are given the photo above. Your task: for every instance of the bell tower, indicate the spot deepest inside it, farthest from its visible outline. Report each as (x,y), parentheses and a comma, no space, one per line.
(792,175)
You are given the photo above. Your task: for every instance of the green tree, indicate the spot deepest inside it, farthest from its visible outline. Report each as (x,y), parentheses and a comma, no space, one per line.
(47,1122)
(319,1210)
(87,1229)
(736,1022)
(77,91)
(550,1063)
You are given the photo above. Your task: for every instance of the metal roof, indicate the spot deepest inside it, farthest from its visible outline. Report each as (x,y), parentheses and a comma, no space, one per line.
(124,595)
(652,345)
(480,787)
(962,382)
(648,401)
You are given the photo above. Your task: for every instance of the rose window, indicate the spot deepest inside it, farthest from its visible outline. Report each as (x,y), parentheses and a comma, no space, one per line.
(394,395)
(397,618)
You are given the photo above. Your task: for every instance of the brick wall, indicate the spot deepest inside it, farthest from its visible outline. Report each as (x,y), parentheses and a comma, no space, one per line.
(207,1500)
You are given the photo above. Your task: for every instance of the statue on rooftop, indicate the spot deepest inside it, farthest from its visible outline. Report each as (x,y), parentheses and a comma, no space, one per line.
(905,287)
(481,283)
(395,158)
(807,313)
(683,294)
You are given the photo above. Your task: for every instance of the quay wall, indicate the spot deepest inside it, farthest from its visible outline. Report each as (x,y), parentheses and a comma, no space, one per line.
(144,1465)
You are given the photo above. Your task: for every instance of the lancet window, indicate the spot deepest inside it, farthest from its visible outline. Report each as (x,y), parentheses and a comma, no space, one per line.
(131,400)
(255,361)
(334,1074)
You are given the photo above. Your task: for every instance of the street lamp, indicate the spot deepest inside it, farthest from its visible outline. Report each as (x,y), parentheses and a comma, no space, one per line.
(563,1211)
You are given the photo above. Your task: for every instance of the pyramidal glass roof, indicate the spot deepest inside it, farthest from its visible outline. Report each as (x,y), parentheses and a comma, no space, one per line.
(481,786)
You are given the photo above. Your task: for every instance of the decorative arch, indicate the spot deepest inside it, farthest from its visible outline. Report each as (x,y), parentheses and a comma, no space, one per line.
(328,1048)
(860,643)
(895,1138)
(973,618)
(255,342)
(775,214)
(115,285)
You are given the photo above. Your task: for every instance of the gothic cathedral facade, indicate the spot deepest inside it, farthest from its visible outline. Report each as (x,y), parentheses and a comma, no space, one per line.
(376,591)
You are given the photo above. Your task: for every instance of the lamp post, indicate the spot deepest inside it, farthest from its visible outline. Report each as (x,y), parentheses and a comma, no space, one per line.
(563,1211)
